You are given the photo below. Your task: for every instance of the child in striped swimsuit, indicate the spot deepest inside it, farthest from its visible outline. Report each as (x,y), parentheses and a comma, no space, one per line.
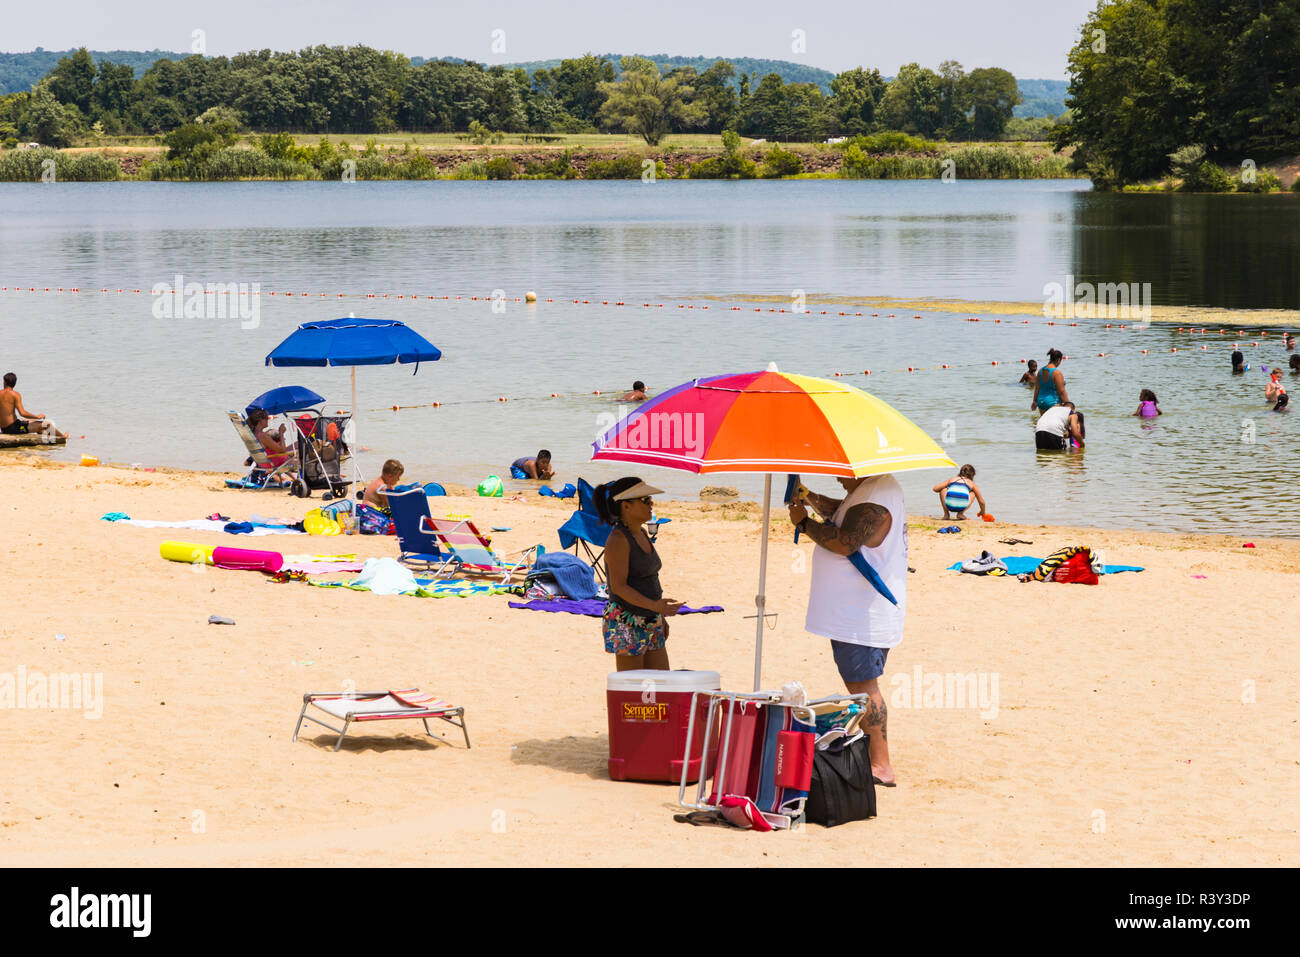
(955,493)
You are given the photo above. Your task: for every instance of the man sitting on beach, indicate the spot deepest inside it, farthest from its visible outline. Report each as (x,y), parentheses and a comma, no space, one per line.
(389,476)
(636,395)
(533,468)
(847,608)
(14,418)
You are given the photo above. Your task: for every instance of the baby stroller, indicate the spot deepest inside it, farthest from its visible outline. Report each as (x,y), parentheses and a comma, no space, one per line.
(323,455)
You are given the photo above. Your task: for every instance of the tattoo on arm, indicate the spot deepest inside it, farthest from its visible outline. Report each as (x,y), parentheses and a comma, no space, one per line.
(823,505)
(860,525)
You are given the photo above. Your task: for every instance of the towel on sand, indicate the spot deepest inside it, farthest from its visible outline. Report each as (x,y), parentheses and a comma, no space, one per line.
(593,607)
(1024,565)
(574,576)
(208,525)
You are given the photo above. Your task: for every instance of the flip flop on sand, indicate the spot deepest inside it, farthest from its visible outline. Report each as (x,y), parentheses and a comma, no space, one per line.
(1015,541)
(705,819)
(883,784)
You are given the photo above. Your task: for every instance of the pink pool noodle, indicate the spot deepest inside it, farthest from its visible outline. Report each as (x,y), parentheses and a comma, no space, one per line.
(246,558)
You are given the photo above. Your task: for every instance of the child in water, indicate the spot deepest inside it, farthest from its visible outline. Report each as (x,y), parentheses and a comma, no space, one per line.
(1148,405)
(955,493)
(1031,371)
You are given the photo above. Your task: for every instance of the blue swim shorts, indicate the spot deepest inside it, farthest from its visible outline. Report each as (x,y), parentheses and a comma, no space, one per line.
(517,473)
(858,662)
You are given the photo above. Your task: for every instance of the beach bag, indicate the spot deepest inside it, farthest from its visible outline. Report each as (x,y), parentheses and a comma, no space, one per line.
(842,787)
(1077,570)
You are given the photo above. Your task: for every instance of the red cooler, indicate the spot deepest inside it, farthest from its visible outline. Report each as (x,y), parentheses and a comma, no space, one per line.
(648,716)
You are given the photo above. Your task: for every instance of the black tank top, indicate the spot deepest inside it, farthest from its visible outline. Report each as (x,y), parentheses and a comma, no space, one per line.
(642,573)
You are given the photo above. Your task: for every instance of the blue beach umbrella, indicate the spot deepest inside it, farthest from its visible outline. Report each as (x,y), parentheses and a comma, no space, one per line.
(353,342)
(287,398)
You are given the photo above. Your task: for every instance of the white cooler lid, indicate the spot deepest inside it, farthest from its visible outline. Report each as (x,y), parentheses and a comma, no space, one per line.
(666,681)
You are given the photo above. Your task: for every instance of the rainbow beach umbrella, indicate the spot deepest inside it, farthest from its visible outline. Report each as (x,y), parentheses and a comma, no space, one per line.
(770,422)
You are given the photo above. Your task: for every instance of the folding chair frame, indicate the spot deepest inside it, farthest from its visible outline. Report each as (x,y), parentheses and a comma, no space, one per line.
(261,460)
(507,570)
(717,699)
(440,713)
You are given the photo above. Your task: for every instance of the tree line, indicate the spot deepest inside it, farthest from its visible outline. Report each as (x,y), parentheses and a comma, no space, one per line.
(1178,86)
(362,90)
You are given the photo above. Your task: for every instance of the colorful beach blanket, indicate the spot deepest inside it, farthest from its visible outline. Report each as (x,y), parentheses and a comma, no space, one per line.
(386,576)
(1024,565)
(593,607)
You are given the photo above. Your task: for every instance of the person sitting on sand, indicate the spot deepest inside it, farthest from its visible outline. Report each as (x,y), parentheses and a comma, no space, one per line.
(533,468)
(14,418)
(1238,362)
(278,451)
(955,493)
(636,395)
(1059,429)
(1148,405)
(1031,372)
(634,623)
(1049,384)
(389,476)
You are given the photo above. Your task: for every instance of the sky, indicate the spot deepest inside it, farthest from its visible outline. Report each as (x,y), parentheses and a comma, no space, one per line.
(1031,38)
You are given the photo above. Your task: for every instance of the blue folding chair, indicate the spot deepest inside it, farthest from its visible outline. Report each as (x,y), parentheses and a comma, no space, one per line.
(586,532)
(419,547)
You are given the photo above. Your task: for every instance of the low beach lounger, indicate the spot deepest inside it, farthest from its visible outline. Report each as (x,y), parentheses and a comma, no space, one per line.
(472,551)
(265,473)
(380,706)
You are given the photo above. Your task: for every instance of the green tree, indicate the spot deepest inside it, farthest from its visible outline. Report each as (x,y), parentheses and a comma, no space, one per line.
(912,101)
(73,80)
(47,121)
(644,103)
(993,96)
(855,95)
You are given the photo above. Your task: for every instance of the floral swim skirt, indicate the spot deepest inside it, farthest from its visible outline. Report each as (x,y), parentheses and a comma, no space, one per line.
(629,634)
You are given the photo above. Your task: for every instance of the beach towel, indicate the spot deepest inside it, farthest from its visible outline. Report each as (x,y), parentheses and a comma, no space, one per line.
(575,577)
(381,577)
(208,525)
(1026,565)
(593,607)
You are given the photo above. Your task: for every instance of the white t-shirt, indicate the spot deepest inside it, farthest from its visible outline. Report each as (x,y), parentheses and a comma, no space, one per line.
(1054,421)
(842,604)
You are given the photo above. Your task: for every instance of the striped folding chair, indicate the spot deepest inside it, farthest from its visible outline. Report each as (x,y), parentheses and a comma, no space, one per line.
(357,706)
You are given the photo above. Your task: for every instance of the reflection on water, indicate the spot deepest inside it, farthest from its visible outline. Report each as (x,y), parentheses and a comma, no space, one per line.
(154,391)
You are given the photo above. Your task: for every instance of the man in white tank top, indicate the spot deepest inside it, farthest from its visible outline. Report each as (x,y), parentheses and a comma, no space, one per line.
(844,606)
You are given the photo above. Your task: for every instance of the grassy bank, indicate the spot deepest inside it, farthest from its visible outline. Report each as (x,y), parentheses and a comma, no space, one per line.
(442,156)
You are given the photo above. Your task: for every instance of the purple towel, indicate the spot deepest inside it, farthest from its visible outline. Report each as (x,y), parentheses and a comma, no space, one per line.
(595,607)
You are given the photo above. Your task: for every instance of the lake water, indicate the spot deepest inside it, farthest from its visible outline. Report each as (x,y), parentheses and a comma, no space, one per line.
(153,390)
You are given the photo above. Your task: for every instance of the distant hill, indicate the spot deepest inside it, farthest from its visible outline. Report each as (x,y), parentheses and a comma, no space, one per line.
(20,71)
(1042,97)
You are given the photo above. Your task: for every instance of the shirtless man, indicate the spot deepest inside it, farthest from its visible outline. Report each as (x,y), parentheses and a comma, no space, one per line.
(14,418)
(636,395)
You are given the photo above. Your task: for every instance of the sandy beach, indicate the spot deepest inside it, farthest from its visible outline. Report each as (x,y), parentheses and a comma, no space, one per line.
(1149,721)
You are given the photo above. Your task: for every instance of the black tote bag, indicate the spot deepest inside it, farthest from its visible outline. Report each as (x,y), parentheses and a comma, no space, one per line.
(842,787)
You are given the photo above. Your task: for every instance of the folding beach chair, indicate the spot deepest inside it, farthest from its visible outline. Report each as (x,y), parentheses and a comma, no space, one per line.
(764,751)
(418,546)
(472,552)
(380,706)
(586,532)
(264,473)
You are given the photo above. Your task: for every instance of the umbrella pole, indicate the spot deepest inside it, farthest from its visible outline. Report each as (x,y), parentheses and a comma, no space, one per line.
(356,455)
(761,599)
